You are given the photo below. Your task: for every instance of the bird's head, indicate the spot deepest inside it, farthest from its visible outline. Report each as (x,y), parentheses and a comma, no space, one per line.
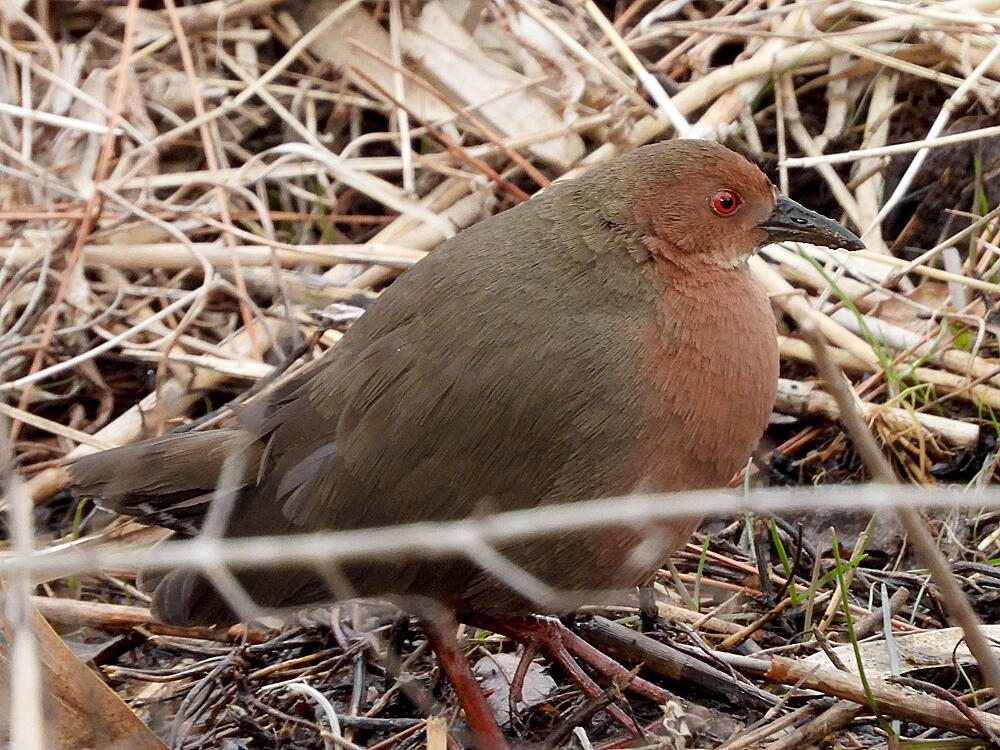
(699,201)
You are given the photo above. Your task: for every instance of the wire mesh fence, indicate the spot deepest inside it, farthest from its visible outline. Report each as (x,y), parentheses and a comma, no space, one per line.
(182,188)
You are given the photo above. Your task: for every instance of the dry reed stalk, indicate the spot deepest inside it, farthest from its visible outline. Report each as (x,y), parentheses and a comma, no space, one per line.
(175,182)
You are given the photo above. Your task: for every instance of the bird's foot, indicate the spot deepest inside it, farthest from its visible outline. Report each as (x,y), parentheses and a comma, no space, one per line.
(568,650)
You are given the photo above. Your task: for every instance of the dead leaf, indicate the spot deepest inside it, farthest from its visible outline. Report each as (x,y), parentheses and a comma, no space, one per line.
(495,673)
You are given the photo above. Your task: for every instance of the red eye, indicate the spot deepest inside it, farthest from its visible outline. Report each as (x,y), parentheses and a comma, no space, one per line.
(725,202)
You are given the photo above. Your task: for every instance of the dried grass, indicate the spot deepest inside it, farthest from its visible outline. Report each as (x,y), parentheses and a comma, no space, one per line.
(169,225)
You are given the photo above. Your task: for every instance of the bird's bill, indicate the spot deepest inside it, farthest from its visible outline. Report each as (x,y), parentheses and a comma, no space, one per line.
(791,221)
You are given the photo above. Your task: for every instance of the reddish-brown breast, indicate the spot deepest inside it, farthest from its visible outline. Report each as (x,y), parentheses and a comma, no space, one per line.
(712,357)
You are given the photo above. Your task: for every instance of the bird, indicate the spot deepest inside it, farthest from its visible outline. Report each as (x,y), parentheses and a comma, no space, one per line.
(603,338)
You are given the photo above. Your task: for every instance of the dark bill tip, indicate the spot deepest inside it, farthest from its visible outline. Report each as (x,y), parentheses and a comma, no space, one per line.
(791,221)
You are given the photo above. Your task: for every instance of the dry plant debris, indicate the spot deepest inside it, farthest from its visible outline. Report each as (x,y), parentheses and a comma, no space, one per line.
(191,195)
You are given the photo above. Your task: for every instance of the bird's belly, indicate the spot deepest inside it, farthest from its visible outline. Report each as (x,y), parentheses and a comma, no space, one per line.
(556,573)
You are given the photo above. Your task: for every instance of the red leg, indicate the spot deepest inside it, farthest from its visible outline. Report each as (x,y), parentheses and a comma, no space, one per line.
(562,645)
(440,629)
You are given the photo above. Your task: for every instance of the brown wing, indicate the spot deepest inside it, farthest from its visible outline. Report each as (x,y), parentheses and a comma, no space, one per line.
(470,386)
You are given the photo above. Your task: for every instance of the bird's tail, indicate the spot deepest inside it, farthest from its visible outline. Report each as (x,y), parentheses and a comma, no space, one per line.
(170,480)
